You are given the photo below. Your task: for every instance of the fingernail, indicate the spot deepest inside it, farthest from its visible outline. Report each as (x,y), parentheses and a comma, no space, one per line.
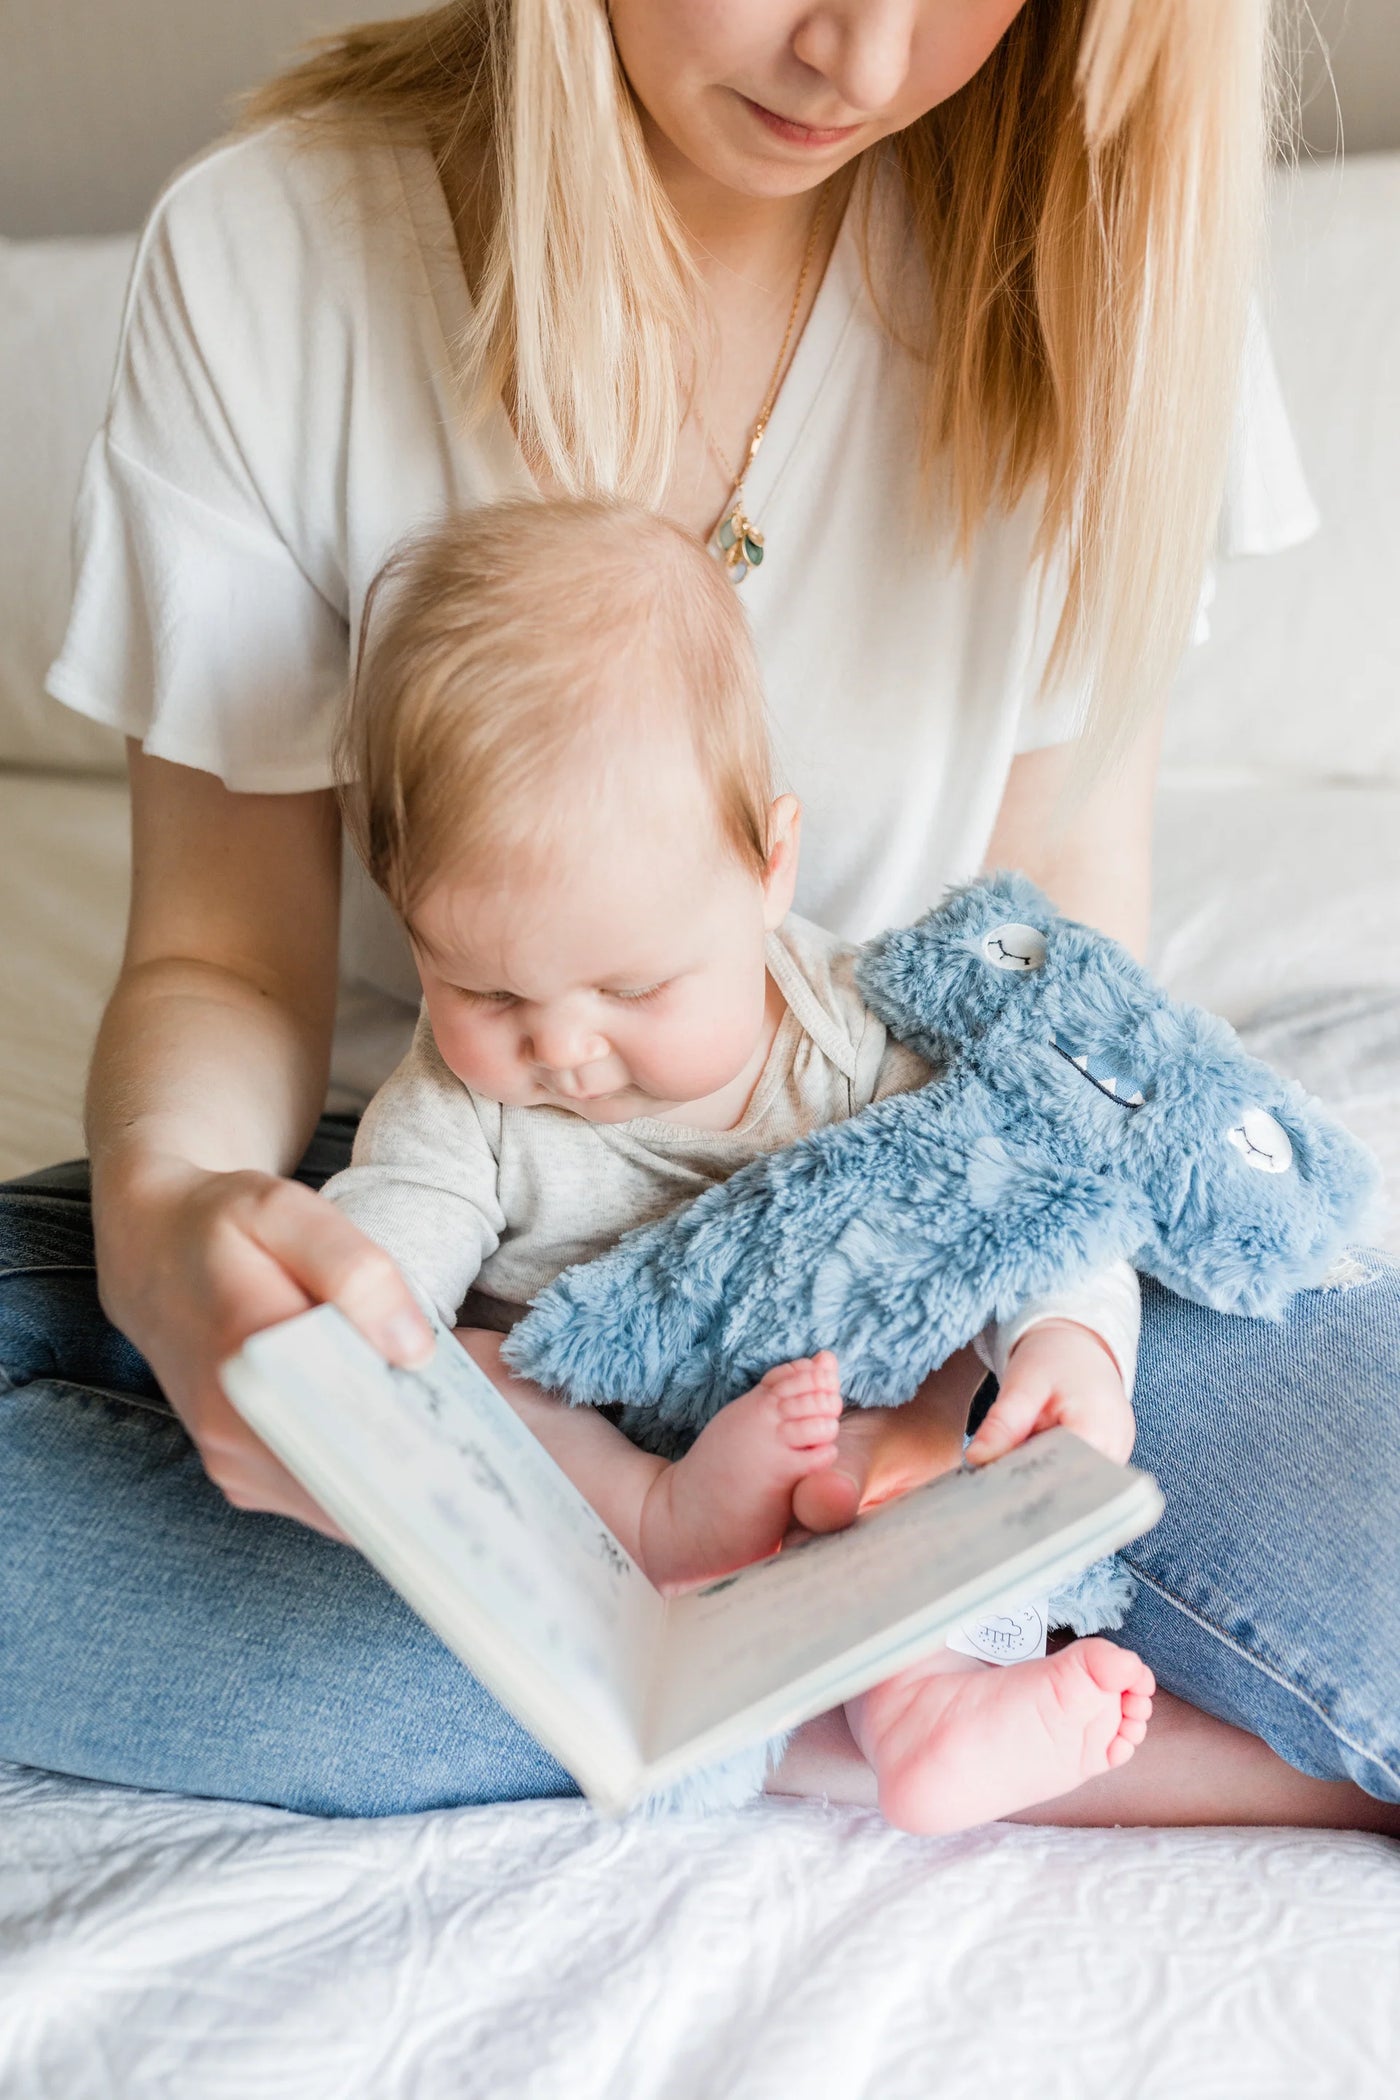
(407,1340)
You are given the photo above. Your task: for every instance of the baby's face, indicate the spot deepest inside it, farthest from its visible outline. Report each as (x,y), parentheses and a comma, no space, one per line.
(625,979)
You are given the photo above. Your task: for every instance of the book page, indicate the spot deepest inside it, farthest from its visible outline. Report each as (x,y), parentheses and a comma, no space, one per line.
(795,1631)
(445,1490)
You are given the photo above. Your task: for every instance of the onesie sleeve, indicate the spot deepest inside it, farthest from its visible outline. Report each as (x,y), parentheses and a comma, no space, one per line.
(422,1180)
(1108,1303)
(209,617)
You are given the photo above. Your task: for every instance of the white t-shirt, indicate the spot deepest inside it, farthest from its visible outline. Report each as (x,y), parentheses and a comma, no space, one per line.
(285,410)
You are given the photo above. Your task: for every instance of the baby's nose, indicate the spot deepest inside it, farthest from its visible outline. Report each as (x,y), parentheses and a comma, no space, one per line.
(563,1046)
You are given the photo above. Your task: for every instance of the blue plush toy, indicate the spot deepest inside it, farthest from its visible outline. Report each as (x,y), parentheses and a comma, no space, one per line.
(1077,1114)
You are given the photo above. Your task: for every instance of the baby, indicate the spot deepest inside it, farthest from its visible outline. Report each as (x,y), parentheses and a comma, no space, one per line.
(556,767)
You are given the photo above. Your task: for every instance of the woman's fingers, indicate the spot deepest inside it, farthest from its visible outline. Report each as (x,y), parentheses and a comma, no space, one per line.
(250,1477)
(226,1255)
(332,1263)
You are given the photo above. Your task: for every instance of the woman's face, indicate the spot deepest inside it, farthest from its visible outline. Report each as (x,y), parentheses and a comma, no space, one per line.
(769,97)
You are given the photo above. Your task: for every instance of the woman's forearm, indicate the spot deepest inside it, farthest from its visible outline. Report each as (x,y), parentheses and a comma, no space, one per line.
(1089,849)
(197,1065)
(213,1051)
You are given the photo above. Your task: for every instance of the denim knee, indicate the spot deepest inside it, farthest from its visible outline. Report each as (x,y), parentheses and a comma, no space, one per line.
(52,1325)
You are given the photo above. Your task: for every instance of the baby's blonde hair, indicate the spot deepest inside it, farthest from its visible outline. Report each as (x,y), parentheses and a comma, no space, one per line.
(512,662)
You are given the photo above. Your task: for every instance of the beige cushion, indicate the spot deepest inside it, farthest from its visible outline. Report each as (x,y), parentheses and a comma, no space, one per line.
(1298,679)
(60,312)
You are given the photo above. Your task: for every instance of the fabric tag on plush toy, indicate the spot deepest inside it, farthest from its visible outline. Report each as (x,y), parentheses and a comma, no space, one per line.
(1011,1636)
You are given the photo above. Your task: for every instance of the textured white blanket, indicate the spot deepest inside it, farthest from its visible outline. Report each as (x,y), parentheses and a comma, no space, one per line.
(155,1950)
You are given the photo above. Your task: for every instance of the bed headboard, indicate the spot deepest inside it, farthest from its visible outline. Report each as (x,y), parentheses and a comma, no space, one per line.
(100,99)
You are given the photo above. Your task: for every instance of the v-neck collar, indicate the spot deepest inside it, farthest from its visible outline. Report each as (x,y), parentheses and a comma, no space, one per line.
(499,448)
(493,434)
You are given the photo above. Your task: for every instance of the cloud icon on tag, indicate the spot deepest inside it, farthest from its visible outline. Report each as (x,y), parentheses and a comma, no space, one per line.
(1004,1636)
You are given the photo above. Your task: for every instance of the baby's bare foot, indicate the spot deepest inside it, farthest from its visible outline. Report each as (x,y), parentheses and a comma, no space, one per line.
(951,1749)
(729,1500)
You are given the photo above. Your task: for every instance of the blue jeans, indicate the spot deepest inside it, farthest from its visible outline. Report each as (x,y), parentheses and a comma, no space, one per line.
(153,1635)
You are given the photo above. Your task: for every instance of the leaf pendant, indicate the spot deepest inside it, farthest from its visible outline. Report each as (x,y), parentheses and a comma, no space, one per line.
(740,544)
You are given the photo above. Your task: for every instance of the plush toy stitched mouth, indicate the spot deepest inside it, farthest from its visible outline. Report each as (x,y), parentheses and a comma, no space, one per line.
(1091,1065)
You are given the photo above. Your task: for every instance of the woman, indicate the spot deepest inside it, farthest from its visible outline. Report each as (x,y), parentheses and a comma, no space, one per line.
(862,290)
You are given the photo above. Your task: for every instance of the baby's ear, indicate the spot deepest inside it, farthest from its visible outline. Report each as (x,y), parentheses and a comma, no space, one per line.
(784,849)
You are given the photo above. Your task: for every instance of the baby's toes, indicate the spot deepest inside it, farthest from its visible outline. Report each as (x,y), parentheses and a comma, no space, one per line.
(810,1431)
(826,1373)
(1115,1669)
(778,1388)
(816,1400)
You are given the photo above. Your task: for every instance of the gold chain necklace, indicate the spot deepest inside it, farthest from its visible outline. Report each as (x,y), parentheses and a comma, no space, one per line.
(735,538)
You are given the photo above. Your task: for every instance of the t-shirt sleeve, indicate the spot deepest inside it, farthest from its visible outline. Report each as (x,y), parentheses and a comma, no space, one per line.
(209,612)
(1266,506)
(423,1180)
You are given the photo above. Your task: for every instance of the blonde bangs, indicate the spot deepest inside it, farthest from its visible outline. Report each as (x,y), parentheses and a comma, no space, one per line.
(1086,213)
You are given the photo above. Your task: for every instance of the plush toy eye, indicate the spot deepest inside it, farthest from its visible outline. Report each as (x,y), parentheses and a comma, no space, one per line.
(1014,947)
(1265,1144)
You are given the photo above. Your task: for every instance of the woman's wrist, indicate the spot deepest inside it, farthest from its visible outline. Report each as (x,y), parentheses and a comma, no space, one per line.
(136,1190)
(147,1204)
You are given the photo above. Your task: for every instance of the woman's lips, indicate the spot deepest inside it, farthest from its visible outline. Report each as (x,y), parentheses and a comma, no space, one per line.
(795,134)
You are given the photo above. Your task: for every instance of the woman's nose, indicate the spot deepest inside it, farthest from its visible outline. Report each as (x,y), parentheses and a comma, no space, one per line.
(862,47)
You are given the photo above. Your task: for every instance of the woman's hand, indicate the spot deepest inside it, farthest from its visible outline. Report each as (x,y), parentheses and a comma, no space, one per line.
(198,1261)
(209,1073)
(1059,1375)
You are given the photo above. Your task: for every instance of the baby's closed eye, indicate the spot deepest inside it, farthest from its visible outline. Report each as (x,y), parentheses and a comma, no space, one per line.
(642,994)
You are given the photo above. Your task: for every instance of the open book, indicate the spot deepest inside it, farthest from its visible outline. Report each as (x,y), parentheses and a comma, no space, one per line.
(445,1490)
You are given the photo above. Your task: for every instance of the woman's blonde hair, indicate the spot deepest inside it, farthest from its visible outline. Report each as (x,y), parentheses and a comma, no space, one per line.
(521,659)
(1086,211)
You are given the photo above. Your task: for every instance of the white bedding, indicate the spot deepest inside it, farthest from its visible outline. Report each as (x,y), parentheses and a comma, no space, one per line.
(155,1949)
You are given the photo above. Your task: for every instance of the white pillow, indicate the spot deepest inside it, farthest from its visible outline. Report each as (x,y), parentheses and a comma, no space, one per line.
(60,312)
(1300,675)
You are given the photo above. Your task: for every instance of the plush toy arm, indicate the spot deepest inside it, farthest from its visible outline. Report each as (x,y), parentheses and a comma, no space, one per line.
(617,1328)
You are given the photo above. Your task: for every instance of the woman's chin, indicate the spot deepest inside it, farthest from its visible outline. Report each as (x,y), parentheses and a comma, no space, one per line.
(746,157)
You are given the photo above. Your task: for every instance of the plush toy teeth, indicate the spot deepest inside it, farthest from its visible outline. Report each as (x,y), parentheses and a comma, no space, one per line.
(1126,1092)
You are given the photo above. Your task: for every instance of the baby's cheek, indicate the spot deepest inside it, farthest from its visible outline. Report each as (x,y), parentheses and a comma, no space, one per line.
(479,1057)
(696,1055)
